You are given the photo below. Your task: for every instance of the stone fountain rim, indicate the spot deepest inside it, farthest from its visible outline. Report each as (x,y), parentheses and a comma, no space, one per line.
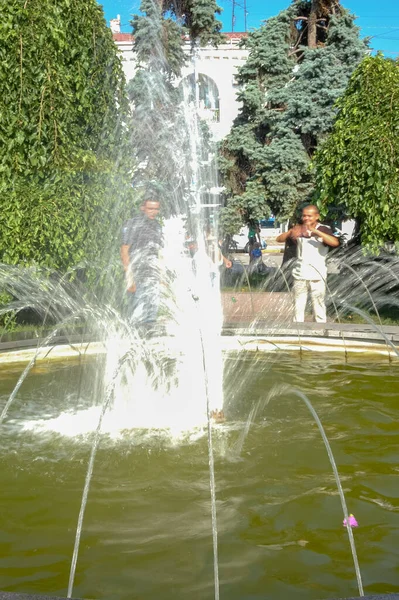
(27,596)
(306,338)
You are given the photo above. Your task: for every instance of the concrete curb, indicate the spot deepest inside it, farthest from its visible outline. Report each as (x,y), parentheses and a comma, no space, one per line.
(325,337)
(29,342)
(16,596)
(337,331)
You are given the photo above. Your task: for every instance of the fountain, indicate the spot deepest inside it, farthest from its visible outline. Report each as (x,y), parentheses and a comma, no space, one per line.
(108,450)
(147,523)
(118,483)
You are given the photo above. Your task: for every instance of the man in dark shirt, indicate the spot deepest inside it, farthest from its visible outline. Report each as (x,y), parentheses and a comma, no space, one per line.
(141,244)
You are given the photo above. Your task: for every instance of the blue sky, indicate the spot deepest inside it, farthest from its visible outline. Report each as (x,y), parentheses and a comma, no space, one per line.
(379,20)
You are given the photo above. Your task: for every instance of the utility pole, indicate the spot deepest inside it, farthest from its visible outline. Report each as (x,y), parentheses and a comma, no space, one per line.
(233,16)
(245,15)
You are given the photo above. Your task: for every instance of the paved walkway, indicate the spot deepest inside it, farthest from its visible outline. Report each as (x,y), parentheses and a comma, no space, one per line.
(271,314)
(266,314)
(273,256)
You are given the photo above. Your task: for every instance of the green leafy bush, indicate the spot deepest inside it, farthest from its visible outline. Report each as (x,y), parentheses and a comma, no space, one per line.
(65,152)
(357,168)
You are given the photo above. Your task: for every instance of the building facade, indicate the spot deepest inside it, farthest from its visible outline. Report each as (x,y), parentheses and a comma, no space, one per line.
(216,70)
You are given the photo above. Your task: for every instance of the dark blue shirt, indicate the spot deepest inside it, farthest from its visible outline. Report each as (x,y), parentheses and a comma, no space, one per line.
(144,238)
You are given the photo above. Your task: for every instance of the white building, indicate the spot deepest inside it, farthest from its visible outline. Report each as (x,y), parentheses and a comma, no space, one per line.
(216,67)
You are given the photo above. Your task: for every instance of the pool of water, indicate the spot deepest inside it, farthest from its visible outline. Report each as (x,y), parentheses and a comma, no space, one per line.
(147,528)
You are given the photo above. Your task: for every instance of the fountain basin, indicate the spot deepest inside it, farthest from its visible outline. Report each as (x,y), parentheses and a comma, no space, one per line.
(147,531)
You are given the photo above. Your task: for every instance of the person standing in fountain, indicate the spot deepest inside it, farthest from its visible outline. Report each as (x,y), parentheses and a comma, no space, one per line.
(141,245)
(312,241)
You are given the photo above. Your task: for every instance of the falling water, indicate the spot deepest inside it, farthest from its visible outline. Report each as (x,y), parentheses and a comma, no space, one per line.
(378,329)
(369,285)
(24,375)
(86,488)
(286,389)
(211,477)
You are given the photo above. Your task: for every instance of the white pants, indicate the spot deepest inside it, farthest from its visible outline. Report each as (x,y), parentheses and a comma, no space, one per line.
(317,291)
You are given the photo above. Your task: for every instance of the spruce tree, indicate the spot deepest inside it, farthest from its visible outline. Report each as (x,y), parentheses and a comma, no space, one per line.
(289,86)
(64,152)
(197,17)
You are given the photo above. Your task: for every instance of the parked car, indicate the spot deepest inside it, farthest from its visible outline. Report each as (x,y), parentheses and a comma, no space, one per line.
(267,223)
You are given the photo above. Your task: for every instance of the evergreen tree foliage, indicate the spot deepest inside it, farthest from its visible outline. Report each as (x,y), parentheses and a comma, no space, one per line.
(63,142)
(197,17)
(288,92)
(160,123)
(357,167)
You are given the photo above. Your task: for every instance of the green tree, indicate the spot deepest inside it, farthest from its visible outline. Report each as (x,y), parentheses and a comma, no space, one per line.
(289,86)
(64,147)
(197,17)
(357,167)
(162,132)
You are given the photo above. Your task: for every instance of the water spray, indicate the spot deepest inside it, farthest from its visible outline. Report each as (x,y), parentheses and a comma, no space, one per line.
(348,521)
(211,474)
(26,372)
(108,398)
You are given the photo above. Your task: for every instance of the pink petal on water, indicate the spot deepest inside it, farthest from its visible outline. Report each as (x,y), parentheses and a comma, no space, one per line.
(352,522)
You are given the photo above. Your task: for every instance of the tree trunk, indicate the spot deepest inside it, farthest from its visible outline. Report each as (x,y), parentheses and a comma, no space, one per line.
(319,11)
(312,24)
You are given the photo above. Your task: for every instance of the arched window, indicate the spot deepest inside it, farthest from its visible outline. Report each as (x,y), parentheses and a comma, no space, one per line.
(208,96)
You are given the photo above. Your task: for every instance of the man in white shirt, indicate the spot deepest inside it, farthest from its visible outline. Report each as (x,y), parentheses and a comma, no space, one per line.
(312,240)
